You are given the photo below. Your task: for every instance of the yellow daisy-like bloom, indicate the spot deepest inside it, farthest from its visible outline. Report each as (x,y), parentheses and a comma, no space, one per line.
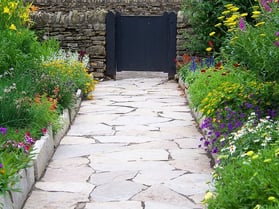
(244,14)
(250,153)
(267,160)
(218,25)
(272,199)
(212,33)
(255,16)
(255,157)
(12,27)
(256,12)
(226,12)
(234,9)
(228,5)
(208,196)
(208,49)
(259,24)
(7,11)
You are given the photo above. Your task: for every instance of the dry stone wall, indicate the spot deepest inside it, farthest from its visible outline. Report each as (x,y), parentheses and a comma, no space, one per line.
(80,25)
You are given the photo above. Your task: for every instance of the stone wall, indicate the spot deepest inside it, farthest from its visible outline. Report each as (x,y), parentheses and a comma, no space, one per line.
(79,25)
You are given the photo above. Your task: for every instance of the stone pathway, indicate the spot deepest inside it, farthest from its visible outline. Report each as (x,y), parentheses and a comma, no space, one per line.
(133,147)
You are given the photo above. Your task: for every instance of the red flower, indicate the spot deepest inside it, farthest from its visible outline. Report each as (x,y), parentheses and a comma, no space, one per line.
(203,70)
(236,65)
(210,43)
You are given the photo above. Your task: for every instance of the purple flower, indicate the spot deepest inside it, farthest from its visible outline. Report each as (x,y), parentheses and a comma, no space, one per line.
(215,150)
(265,6)
(3,130)
(242,25)
(1,165)
(277,33)
(230,127)
(276,43)
(217,134)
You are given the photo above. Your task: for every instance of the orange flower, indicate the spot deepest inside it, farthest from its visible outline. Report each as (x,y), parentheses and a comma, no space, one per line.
(37,98)
(33,8)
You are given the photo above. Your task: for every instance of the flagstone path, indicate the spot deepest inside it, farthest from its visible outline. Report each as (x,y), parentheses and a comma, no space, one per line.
(135,146)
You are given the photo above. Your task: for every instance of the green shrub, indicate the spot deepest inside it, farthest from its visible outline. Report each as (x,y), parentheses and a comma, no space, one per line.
(255,46)
(203,16)
(251,181)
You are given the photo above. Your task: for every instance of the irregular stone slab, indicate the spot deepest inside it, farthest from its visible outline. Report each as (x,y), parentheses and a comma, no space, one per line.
(72,187)
(72,151)
(159,205)
(114,165)
(158,144)
(107,177)
(54,200)
(173,123)
(65,174)
(132,155)
(87,129)
(61,170)
(116,191)
(162,194)
(76,140)
(101,118)
(190,184)
(197,160)
(114,205)
(135,120)
(123,139)
(188,143)
(154,177)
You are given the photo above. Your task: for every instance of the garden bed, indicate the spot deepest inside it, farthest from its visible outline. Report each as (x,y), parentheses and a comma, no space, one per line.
(43,151)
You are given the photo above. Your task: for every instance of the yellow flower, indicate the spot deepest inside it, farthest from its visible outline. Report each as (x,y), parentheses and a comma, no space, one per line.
(250,153)
(207,197)
(267,160)
(244,14)
(226,12)
(208,49)
(272,199)
(218,25)
(212,33)
(234,9)
(228,5)
(7,11)
(255,7)
(263,34)
(257,206)
(221,17)
(12,27)
(255,157)
(259,24)
(256,12)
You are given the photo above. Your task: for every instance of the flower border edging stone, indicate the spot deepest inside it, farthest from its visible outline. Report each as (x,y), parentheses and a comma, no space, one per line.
(43,151)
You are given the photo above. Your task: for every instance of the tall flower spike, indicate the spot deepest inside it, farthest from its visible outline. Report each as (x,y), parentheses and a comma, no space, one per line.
(242,26)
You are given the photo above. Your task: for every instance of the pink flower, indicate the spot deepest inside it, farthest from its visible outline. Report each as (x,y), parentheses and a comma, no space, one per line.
(265,5)
(276,43)
(242,26)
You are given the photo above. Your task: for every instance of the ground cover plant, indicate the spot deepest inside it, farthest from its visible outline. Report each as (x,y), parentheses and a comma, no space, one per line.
(37,81)
(239,105)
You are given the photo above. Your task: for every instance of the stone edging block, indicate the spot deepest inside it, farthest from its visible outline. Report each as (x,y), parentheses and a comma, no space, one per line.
(43,151)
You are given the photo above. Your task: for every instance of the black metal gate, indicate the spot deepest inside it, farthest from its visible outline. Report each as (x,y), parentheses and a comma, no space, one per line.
(141,43)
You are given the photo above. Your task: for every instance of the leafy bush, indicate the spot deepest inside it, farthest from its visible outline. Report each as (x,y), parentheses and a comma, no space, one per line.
(256,46)
(203,16)
(253,136)
(249,182)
